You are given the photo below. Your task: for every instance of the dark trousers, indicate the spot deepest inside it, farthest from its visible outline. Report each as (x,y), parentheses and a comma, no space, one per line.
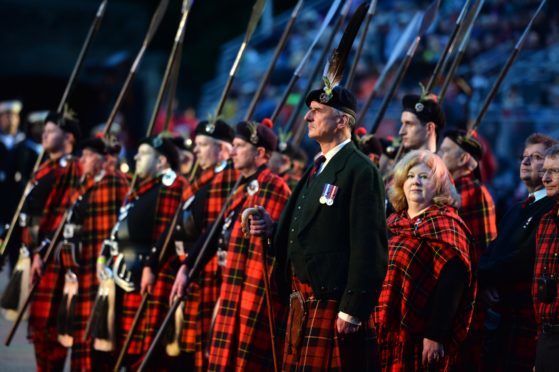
(547,352)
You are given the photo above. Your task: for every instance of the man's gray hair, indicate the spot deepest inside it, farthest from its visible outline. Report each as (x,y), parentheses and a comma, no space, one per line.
(351,119)
(552,152)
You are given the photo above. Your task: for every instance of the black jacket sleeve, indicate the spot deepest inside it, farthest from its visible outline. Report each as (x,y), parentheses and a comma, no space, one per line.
(452,283)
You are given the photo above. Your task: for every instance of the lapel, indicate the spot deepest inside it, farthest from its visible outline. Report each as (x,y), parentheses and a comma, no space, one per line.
(328,175)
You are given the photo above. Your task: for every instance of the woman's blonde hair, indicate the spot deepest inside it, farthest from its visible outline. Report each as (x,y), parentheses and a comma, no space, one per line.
(445,192)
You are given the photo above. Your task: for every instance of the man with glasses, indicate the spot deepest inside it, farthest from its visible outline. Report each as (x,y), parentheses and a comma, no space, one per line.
(506,271)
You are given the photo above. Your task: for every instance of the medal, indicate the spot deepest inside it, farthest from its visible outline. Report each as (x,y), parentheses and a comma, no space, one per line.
(328,194)
(252,187)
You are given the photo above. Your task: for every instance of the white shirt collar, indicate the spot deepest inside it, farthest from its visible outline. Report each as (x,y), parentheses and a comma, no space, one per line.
(330,154)
(538,195)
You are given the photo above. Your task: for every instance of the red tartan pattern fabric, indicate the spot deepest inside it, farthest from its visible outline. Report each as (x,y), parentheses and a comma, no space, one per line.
(203,179)
(321,347)
(168,200)
(418,250)
(547,263)
(477,210)
(103,203)
(203,293)
(46,299)
(166,275)
(290,180)
(49,354)
(241,337)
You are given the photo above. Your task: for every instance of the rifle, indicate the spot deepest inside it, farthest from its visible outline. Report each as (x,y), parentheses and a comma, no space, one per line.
(400,45)
(69,86)
(295,113)
(257,10)
(370,13)
(298,71)
(277,52)
(503,72)
(450,42)
(461,49)
(427,21)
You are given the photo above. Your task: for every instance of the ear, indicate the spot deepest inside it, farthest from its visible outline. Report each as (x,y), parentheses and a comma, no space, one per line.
(261,152)
(431,128)
(343,122)
(162,161)
(464,159)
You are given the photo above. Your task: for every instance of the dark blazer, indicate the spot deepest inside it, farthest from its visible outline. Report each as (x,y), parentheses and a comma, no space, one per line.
(344,245)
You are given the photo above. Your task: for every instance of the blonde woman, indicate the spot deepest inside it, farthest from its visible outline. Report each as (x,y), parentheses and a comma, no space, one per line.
(425,305)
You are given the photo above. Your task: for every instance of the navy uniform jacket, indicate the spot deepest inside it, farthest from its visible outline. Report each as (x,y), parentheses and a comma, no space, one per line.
(340,249)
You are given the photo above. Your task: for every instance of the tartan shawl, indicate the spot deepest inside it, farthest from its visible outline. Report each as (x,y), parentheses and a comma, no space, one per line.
(418,250)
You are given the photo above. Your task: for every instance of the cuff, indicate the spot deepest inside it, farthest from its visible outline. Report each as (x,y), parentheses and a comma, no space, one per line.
(348,318)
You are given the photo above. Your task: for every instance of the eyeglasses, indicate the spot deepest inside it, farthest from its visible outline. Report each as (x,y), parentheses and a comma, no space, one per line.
(533,157)
(553,172)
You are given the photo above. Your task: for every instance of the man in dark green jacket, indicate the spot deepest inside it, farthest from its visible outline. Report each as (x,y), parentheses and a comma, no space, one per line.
(331,237)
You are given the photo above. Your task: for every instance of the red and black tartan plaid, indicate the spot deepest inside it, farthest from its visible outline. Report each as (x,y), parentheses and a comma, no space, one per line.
(66,182)
(290,179)
(168,200)
(478,212)
(203,293)
(100,214)
(44,304)
(241,337)
(202,180)
(547,250)
(418,250)
(321,347)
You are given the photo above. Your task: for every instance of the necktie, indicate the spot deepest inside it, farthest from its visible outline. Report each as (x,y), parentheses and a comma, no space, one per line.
(529,200)
(317,163)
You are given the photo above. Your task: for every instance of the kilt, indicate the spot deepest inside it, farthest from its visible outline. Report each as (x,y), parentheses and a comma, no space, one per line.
(198,311)
(241,336)
(103,203)
(203,292)
(127,304)
(45,302)
(321,347)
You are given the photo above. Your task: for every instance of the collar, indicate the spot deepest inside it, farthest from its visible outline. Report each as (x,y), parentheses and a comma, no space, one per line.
(11,140)
(99,176)
(330,154)
(538,195)
(246,180)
